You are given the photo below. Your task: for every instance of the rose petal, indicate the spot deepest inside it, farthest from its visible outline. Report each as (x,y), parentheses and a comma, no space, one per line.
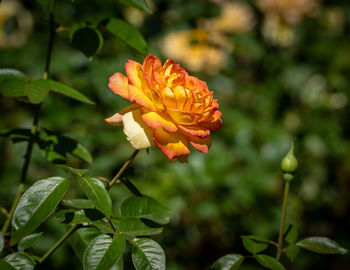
(118,83)
(139,97)
(116,119)
(173,145)
(215,125)
(138,133)
(132,69)
(196,131)
(201,144)
(155,120)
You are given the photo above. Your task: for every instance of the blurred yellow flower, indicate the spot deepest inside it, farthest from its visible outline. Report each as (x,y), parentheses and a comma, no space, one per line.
(281,15)
(196,49)
(289,11)
(235,17)
(15,24)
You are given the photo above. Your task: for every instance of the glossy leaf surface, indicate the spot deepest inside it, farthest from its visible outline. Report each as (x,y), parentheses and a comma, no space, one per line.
(322,245)
(127,33)
(36,204)
(269,262)
(145,207)
(103,252)
(228,262)
(147,255)
(28,241)
(95,190)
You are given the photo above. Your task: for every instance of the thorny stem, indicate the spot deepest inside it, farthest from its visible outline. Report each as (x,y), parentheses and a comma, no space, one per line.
(284,211)
(60,242)
(7,223)
(122,169)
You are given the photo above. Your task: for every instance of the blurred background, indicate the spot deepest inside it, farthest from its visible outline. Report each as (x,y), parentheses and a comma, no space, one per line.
(280,69)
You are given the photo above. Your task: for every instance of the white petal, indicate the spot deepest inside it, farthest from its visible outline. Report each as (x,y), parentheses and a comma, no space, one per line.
(137,132)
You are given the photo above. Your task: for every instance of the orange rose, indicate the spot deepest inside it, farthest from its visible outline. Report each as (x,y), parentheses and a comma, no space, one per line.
(172,108)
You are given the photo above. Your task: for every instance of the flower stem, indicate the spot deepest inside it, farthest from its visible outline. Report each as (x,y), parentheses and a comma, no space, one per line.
(7,223)
(122,169)
(59,242)
(284,212)
(28,154)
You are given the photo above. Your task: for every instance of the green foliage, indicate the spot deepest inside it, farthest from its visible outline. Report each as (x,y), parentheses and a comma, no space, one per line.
(127,33)
(269,262)
(5,265)
(95,190)
(145,207)
(291,234)
(103,252)
(292,252)
(139,4)
(254,244)
(36,204)
(86,38)
(78,203)
(133,227)
(80,240)
(20,261)
(321,245)
(27,241)
(228,262)
(75,217)
(12,83)
(147,254)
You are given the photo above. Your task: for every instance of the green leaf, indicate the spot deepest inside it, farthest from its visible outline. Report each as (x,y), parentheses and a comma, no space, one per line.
(78,204)
(103,252)
(56,147)
(97,194)
(20,261)
(253,245)
(147,255)
(65,90)
(322,245)
(269,262)
(76,171)
(291,234)
(2,242)
(5,265)
(80,239)
(43,2)
(135,227)
(37,90)
(131,187)
(16,135)
(127,33)
(28,241)
(292,252)
(12,83)
(139,4)
(145,207)
(86,38)
(228,262)
(36,204)
(74,217)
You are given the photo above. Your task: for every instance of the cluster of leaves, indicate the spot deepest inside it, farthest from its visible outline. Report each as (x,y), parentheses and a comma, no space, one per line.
(255,245)
(99,238)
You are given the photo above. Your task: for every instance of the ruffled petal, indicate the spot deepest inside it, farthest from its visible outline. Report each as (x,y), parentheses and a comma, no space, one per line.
(196,131)
(118,83)
(116,119)
(201,144)
(173,145)
(132,69)
(215,125)
(156,120)
(139,97)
